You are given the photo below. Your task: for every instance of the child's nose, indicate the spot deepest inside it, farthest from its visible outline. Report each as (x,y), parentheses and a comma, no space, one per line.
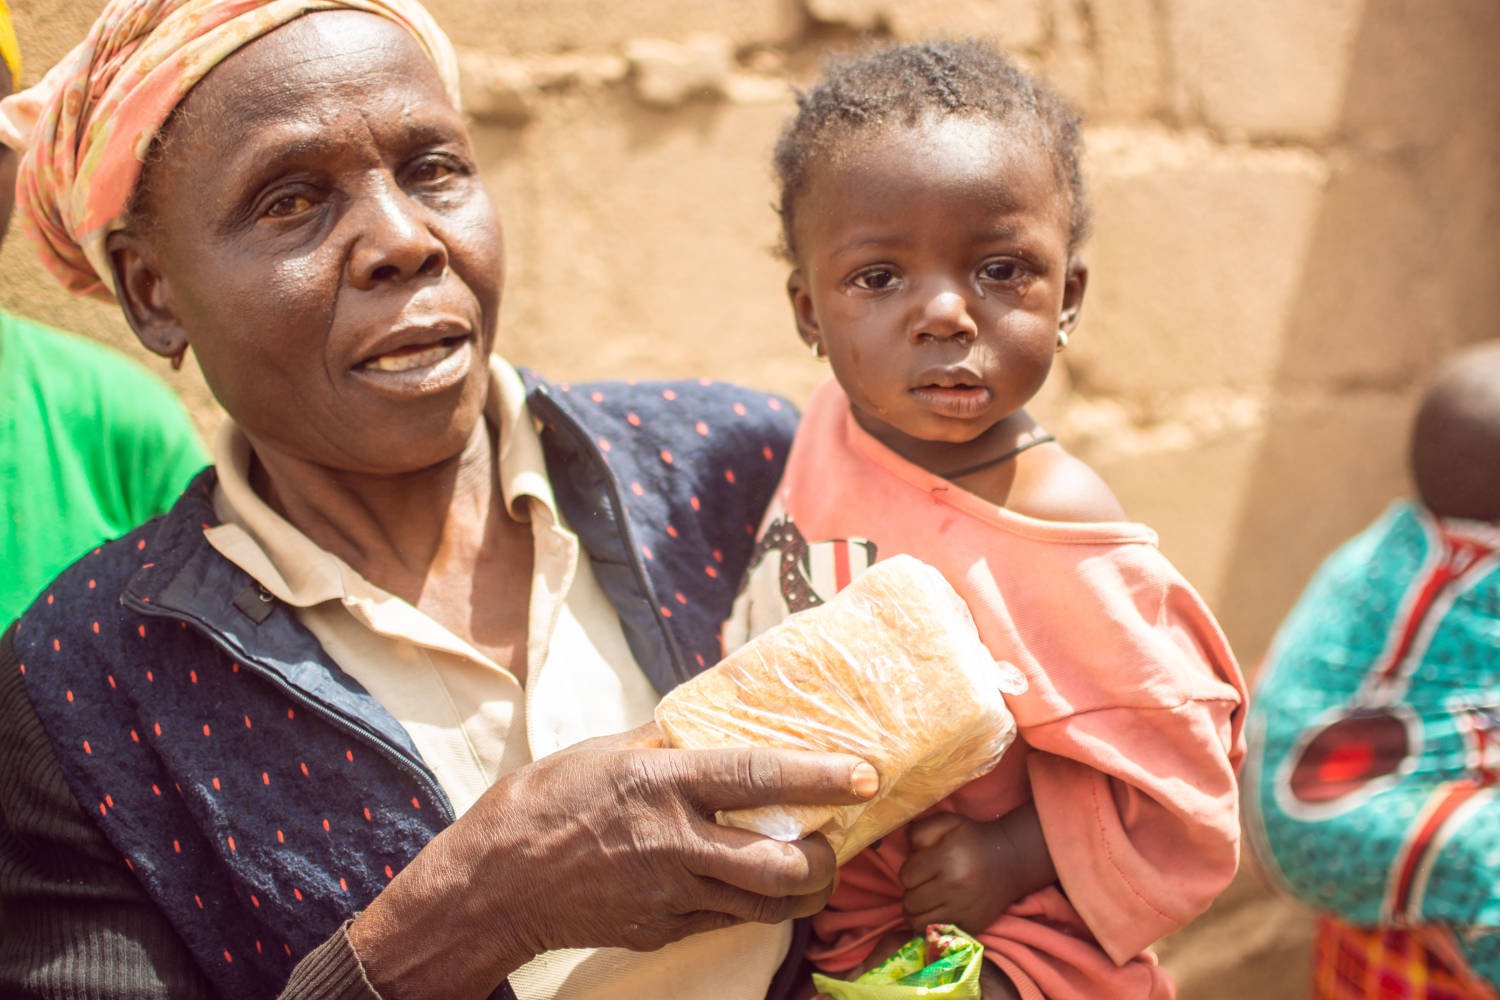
(944,316)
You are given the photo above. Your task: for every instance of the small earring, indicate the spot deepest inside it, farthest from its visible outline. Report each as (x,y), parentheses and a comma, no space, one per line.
(1062,339)
(817,350)
(178,358)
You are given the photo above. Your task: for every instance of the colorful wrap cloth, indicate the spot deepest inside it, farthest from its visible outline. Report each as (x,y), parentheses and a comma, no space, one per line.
(10,49)
(1373,784)
(87,126)
(1352,963)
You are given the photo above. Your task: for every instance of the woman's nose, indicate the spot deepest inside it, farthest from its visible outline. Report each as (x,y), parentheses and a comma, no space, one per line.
(944,315)
(394,242)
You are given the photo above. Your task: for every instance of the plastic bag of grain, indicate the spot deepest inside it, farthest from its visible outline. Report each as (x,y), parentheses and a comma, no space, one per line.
(891,670)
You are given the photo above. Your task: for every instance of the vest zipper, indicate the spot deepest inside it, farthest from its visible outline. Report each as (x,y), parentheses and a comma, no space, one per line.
(392,753)
(542,398)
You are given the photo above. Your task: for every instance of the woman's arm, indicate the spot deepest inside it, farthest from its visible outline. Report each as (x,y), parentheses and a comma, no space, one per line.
(609,844)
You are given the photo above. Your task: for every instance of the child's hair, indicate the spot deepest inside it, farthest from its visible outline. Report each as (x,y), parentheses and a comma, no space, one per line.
(900,85)
(1455,443)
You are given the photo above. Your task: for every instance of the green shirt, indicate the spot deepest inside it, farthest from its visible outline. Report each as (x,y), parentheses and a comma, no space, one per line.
(91,445)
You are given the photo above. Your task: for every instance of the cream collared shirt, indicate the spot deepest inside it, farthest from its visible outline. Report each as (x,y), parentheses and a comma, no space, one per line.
(471,719)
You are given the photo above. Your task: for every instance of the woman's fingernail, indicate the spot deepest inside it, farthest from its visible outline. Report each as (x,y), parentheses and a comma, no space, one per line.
(865,780)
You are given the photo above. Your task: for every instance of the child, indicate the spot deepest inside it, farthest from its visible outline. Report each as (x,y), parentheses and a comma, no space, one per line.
(932,209)
(1375,794)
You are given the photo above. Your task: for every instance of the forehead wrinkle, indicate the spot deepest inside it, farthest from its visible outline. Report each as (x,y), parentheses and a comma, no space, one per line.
(288,97)
(309,57)
(251,114)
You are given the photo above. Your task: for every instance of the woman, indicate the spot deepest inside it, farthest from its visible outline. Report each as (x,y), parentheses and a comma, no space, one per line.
(298,733)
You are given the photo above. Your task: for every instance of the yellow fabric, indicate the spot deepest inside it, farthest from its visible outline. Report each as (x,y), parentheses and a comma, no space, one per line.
(470,718)
(10,48)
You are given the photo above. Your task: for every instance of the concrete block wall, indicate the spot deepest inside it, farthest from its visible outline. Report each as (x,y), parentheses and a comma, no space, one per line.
(1296,206)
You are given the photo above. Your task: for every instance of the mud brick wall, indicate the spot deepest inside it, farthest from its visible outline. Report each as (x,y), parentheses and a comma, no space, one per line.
(1296,206)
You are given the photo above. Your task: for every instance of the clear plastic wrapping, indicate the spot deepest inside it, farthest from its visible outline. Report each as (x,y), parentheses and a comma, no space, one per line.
(891,670)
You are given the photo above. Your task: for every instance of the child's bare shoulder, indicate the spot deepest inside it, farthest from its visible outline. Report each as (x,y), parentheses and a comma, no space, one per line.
(1055,486)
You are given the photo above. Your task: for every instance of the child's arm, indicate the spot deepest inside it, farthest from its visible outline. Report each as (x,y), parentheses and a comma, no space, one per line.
(967,872)
(1135,726)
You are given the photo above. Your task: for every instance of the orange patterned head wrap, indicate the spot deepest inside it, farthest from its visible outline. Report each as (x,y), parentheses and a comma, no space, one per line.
(86,128)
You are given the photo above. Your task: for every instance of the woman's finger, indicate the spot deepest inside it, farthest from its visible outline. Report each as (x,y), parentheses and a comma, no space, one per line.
(761,865)
(718,897)
(750,777)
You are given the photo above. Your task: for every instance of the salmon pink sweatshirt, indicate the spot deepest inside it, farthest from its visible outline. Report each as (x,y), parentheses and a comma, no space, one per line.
(1130,729)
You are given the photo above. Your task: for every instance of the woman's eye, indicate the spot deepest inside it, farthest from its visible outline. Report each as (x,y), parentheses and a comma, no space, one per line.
(288,205)
(1000,270)
(875,280)
(432,171)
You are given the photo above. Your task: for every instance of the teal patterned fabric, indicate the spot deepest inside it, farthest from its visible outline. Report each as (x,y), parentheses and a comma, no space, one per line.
(1373,782)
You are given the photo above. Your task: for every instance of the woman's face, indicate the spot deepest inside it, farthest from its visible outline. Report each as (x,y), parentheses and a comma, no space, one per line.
(318,233)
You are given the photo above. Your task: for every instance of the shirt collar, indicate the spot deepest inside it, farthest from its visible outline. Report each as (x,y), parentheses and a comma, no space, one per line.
(301,573)
(523,464)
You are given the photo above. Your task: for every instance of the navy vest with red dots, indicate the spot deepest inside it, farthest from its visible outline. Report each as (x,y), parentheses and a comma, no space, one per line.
(260,795)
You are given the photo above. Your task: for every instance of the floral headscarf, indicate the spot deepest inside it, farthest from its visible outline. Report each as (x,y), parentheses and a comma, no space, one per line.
(87,126)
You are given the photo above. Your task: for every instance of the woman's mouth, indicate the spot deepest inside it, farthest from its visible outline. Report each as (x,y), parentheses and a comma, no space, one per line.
(418,356)
(419,369)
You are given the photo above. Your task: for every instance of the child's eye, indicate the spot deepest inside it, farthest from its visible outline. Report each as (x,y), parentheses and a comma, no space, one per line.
(876,279)
(1000,270)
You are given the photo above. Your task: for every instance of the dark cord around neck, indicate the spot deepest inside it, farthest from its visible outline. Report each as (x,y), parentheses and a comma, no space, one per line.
(1004,457)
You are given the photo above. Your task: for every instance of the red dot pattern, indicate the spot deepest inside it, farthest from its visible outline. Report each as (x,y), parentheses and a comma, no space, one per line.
(251,828)
(703,434)
(195,717)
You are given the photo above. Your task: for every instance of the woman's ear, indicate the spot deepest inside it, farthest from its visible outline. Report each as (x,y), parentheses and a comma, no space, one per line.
(1075,281)
(804,312)
(144,296)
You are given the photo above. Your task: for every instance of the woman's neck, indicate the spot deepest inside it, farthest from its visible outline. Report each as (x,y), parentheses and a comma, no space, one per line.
(394,530)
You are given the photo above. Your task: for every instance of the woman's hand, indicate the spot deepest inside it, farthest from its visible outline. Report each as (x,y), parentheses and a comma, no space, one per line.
(965,872)
(611,843)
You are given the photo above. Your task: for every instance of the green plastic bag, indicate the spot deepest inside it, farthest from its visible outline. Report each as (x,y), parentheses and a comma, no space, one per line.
(943,962)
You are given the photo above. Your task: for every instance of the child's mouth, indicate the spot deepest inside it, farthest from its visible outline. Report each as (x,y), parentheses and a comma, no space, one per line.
(961,401)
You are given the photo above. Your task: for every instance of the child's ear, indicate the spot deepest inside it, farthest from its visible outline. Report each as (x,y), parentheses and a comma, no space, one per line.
(803,310)
(144,295)
(1075,281)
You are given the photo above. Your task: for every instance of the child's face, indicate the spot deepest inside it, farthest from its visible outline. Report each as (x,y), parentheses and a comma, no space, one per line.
(933,267)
